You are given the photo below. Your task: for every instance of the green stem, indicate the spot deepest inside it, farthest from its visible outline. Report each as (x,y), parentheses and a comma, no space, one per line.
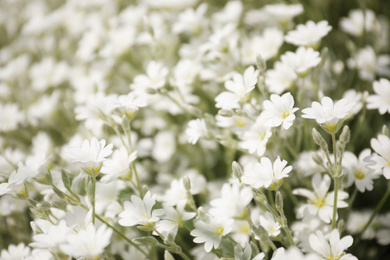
(335,176)
(122,235)
(137,180)
(93,198)
(376,211)
(180,253)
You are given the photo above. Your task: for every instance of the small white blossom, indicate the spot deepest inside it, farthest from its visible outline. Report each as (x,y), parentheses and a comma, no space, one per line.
(281,78)
(266,174)
(15,252)
(196,129)
(280,110)
(308,34)
(381,99)
(255,139)
(359,21)
(381,161)
(155,78)
(267,221)
(118,165)
(302,60)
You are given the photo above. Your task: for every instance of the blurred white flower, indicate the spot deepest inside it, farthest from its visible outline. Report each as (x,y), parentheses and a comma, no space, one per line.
(15,252)
(279,110)
(172,220)
(118,166)
(282,12)
(139,212)
(308,34)
(359,21)
(383,235)
(302,60)
(191,21)
(10,118)
(357,221)
(292,253)
(89,242)
(52,236)
(155,78)
(255,140)
(196,129)
(266,174)
(267,221)
(381,99)
(333,247)
(48,73)
(381,162)
(280,78)
(164,146)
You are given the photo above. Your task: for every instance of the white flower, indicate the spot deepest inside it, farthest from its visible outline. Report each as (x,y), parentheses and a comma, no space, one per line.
(320,202)
(191,20)
(255,140)
(381,100)
(282,12)
(10,117)
(211,232)
(280,78)
(266,174)
(155,78)
(308,34)
(267,221)
(306,165)
(368,63)
(292,253)
(173,219)
(118,165)
(333,247)
(164,146)
(89,242)
(302,60)
(239,89)
(359,21)
(358,172)
(53,236)
(355,97)
(383,235)
(130,103)
(48,73)
(357,221)
(91,154)
(139,212)
(196,129)
(381,162)
(15,252)
(233,201)
(328,114)
(279,111)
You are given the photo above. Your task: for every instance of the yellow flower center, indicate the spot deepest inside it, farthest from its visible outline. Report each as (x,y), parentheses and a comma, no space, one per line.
(320,202)
(359,175)
(219,230)
(240,123)
(262,136)
(284,115)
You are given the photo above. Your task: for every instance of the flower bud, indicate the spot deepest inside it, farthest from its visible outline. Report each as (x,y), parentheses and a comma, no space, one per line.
(279,201)
(319,140)
(385,131)
(148,240)
(168,256)
(317,158)
(225,113)
(345,135)
(187,183)
(237,170)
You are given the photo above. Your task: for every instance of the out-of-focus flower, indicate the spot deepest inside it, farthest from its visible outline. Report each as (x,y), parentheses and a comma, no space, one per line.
(267,221)
(381,99)
(302,60)
(118,165)
(282,12)
(255,140)
(10,118)
(381,161)
(155,78)
(196,129)
(280,78)
(359,21)
(308,34)
(15,252)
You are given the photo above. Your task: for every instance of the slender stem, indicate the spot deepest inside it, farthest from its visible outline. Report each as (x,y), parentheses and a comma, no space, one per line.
(376,211)
(121,138)
(180,253)
(122,235)
(289,235)
(137,180)
(335,176)
(93,197)
(350,203)
(287,187)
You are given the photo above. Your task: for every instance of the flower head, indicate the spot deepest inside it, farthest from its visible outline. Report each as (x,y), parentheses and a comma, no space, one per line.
(308,34)
(302,60)
(381,161)
(381,99)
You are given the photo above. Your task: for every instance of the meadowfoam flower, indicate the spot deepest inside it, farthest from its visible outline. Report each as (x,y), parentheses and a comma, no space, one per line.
(89,242)
(320,202)
(211,232)
(91,154)
(239,89)
(358,172)
(329,115)
(255,140)
(381,100)
(279,111)
(332,248)
(52,236)
(381,161)
(308,34)
(196,129)
(139,212)
(266,174)
(302,60)
(281,78)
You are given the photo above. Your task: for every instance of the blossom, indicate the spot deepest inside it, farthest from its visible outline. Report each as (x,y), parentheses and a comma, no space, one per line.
(91,154)
(320,202)
(267,221)
(173,219)
(139,212)
(381,161)
(333,247)
(196,128)
(302,60)
(281,78)
(357,221)
(256,138)
(308,34)
(15,252)
(89,242)
(279,111)
(292,253)
(381,99)
(359,21)
(266,174)
(118,165)
(239,89)
(358,172)
(282,12)
(130,103)
(52,237)
(155,78)
(328,114)
(211,232)
(10,118)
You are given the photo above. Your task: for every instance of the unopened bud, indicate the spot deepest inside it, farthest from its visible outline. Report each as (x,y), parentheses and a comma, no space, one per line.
(237,170)
(345,135)
(261,198)
(193,110)
(261,233)
(148,240)
(169,238)
(317,158)
(187,183)
(225,113)
(261,65)
(168,256)
(151,91)
(201,213)
(319,140)
(279,201)
(145,189)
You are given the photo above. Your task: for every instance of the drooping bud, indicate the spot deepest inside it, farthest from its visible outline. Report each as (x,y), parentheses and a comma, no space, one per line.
(147,240)
(237,170)
(317,158)
(319,140)
(345,135)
